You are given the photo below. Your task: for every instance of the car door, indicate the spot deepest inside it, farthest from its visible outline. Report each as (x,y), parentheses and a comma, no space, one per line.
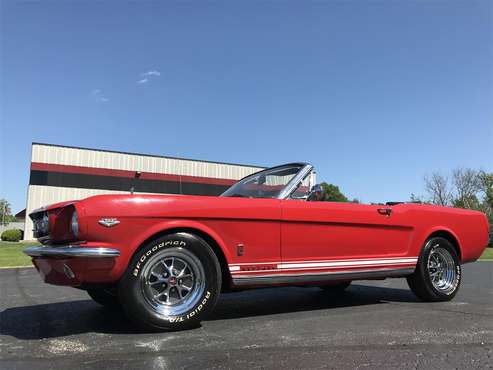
(314,232)
(249,228)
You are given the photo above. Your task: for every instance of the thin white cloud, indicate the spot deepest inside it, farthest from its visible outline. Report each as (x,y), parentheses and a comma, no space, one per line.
(151,73)
(148,76)
(98,95)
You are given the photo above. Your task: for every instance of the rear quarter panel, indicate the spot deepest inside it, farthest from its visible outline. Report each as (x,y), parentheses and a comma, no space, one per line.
(469,228)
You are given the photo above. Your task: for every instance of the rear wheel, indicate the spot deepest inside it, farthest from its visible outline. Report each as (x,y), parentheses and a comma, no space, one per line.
(438,272)
(338,288)
(172,283)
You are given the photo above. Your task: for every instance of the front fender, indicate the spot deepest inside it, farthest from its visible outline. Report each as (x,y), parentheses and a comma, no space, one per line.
(167,225)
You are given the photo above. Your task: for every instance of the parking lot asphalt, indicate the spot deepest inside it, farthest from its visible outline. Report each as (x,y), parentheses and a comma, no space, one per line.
(375,324)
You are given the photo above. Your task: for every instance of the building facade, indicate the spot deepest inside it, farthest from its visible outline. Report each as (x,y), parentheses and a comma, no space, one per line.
(59,173)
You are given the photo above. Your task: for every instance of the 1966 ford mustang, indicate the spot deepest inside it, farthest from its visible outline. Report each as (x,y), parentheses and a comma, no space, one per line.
(165,258)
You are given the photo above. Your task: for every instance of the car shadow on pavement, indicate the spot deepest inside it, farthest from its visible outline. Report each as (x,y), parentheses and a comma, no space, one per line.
(85,316)
(61,319)
(271,301)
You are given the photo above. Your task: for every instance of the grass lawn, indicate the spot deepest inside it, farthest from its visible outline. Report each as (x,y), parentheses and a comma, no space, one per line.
(487,254)
(11,254)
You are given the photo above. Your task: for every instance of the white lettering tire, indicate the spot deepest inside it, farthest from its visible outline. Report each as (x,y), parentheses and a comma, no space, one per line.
(172,283)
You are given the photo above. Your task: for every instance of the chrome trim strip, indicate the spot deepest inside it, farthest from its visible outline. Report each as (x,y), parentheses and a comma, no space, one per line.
(320,277)
(291,185)
(71,251)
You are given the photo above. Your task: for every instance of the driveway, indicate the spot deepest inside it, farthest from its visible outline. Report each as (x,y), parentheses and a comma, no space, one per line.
(376,324)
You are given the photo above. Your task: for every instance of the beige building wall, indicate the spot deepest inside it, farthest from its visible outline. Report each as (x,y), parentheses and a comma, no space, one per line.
(39,195)
(42,153)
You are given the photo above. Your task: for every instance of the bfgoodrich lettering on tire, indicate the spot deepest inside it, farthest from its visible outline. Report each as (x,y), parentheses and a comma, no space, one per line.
(438,272)
(171,283)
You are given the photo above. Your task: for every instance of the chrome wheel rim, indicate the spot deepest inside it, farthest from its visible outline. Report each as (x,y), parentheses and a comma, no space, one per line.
(442,270)
(172,282)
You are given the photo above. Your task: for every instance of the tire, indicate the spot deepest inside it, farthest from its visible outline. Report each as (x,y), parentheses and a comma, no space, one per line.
(172,283)
(438,272)
(336,289)
(104,297)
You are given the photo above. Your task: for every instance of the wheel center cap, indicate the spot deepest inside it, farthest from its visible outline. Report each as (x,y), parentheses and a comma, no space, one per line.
(172,280)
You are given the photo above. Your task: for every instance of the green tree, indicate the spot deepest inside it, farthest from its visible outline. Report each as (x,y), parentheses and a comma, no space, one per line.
(469,189)
(417,199)
(5,212)
(437,187)
(333,194)
(486,185)
(486,188)
(470,201)
(467,185)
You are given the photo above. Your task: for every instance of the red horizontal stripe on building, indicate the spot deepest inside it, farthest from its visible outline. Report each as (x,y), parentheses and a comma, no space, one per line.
(36,166)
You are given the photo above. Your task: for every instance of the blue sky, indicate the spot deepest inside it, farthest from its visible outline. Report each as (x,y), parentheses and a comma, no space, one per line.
(375,94)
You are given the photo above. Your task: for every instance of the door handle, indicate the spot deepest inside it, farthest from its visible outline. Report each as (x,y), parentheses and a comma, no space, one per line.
(384,211)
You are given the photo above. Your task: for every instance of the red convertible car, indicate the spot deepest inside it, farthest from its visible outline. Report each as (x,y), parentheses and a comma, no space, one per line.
(165,258)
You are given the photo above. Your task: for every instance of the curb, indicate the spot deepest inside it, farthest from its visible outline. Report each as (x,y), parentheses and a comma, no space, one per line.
(16,267)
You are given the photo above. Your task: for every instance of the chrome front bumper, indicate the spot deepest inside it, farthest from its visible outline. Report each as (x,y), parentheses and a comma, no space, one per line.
(70,251)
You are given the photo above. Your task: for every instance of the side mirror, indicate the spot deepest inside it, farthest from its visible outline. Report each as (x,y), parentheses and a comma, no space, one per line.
(317,193)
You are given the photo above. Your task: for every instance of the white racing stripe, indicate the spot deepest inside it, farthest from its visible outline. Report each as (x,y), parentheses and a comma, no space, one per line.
(346,263)
(319,261)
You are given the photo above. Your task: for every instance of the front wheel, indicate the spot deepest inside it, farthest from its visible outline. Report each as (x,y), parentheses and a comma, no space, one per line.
(438,272)
(171,283)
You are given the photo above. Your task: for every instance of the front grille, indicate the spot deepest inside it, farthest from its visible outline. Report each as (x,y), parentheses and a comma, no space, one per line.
(41,229)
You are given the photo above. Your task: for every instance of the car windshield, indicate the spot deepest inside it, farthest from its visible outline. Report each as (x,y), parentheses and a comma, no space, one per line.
(264,184)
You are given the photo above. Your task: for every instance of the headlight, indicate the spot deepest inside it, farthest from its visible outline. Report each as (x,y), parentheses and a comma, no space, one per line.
(41,225)
(75,224)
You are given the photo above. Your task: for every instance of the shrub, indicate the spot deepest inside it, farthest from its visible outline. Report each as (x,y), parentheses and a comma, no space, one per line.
(12,235)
